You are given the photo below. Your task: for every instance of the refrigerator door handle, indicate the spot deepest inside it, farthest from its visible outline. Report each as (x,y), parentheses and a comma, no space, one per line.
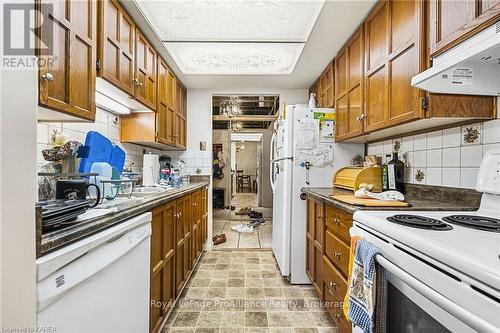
(271,167)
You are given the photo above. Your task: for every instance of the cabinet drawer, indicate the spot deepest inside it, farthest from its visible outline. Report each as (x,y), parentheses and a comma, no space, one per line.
(337,251)
(339,222)
(335,310)
(333,280)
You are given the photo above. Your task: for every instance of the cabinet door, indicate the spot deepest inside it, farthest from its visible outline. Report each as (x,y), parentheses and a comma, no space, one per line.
(180,124)
(355,52)
(116,52)
(376,55)
(67,77)
(180,243)
(185,216)
(162,262)
(452,21)
(393,55)
(314,243)
(310,239)
(165,115)
(145,71)
(406,59)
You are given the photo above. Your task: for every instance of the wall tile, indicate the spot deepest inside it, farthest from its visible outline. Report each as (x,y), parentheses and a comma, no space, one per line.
(491,131)
(451,177)
(490,147)
(420,142)
(468,177)
(388,148)
(419,176)
(407,144)
(451,137)
(420,159)
(42,133)
(443,157)
(434,176)
(451,157)
(470,156)
(434,158)
(471,134)
(434,140)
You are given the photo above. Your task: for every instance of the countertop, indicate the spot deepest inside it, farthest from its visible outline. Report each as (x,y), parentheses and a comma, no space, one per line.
(54,240)
(419,198)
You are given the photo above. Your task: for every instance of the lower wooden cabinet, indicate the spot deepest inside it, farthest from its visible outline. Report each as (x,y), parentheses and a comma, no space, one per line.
(172,257)
(327,260)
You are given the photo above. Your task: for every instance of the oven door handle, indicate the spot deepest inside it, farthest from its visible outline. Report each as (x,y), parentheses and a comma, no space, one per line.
(457,311)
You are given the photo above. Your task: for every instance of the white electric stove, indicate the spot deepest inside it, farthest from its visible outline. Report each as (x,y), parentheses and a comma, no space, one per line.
(443,266)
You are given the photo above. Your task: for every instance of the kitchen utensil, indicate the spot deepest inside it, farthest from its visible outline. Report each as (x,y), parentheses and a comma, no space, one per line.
(76,189)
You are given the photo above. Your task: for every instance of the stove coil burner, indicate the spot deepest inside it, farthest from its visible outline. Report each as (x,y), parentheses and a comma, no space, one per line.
(421,222)
(475,222)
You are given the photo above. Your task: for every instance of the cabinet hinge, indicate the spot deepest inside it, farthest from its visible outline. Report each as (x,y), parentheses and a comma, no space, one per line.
(425,103)
(98,65)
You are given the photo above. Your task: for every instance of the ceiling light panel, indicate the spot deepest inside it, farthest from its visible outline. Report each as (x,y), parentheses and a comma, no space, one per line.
(235,58)
(233,20)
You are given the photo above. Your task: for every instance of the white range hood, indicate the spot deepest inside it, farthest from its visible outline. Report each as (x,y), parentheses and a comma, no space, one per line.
(470,68)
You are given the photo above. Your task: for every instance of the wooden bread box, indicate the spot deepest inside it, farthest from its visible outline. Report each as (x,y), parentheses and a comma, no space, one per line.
(350,178)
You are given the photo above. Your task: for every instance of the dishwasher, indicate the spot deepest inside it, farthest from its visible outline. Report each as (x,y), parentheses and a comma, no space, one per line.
(99,284)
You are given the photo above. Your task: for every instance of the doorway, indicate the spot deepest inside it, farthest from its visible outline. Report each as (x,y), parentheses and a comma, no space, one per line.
(241,184)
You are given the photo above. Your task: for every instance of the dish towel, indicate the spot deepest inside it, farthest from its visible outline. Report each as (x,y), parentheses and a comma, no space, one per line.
(365,289)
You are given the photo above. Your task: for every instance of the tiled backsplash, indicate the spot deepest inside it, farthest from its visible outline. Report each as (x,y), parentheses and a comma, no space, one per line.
(449,157)
(108,125)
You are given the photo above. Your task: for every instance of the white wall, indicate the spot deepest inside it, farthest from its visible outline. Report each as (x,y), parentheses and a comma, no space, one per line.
(18,189)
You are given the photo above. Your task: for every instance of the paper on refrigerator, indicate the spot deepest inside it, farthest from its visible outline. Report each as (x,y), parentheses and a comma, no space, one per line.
(308,147)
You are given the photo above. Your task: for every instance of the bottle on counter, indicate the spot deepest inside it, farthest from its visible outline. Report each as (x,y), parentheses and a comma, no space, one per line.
(385,175)
(395,173)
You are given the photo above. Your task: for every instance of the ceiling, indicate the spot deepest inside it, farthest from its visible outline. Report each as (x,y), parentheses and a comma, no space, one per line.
(258,107)
(264,22)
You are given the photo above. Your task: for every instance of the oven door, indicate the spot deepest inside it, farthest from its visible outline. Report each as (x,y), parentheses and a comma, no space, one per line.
(413,306)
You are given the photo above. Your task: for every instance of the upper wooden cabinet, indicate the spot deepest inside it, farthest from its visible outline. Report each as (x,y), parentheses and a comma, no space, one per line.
(324,88)
(166,114)
(145,71)
(67,77)
(452,21)
(393,55)
(349,87)
(167,126)
(116,53)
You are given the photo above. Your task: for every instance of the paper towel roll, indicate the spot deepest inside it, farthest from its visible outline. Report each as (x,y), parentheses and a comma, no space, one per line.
(150,170)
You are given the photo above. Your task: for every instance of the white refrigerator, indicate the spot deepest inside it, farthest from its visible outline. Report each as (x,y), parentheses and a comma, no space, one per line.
(303,154)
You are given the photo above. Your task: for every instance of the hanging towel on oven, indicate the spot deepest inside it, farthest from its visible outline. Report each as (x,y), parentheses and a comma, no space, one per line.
(363,289)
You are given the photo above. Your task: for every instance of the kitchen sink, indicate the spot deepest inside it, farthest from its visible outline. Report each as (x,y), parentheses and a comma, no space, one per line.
(141,192)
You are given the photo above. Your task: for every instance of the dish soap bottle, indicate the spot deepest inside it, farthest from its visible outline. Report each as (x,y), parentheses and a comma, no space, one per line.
(385,175)
(395,173)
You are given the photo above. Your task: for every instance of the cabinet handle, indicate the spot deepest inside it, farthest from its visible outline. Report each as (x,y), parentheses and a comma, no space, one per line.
(139,84)
(336,254)
(48,77)
(337,316)
(362,116)
(336,221)
(333,284)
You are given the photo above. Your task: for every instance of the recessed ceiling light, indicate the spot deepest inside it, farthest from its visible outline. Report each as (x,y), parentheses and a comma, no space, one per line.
(233,20)
(235,58)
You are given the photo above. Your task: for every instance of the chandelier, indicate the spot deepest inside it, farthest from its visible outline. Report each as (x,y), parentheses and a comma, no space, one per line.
(236,126)
(230,107)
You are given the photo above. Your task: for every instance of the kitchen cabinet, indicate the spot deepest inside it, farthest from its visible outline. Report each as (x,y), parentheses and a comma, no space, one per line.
(173,259)
(324,88)
(67,75)
(451,22)
(349,82)
(116,51)
(374,99)
(165,118)
(162,263)
(183,242)
(181,115)
(165,128)
(327,260)
(314,243)
(145,71)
